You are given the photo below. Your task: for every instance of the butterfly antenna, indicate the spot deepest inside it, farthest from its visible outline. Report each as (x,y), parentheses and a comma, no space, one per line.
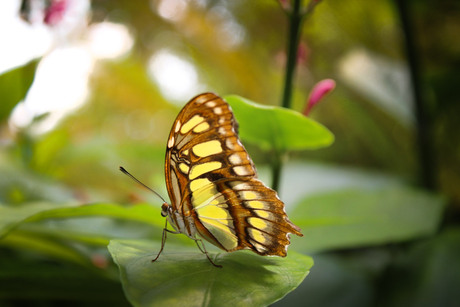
(122,169)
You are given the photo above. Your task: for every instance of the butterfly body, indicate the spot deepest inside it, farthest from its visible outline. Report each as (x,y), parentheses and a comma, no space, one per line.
(213,186)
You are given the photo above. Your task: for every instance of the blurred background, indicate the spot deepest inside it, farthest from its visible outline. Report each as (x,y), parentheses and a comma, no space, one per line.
(87,86)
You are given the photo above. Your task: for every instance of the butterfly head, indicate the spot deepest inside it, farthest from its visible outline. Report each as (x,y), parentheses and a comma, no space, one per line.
(174,218)
(165,209)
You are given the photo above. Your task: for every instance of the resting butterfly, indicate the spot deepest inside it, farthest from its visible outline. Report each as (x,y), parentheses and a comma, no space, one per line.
(213,186)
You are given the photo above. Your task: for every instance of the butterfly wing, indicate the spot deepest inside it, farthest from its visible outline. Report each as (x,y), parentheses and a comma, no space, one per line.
(211,180)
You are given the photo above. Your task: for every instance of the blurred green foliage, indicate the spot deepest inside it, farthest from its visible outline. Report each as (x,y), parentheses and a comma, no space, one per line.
(375,242)
(14,85)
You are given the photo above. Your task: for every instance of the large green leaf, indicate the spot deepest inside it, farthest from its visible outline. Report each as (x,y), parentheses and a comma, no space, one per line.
(186,278)
(62,232)
(45,245)
(353,218)
(11,217)
(275,128)
(14,85)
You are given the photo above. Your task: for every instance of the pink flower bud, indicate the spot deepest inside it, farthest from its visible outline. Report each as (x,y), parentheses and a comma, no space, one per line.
(55,11)
(319,91)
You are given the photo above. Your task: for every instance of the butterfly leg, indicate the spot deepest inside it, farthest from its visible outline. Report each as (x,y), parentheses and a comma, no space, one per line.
(204,251)
(163,239)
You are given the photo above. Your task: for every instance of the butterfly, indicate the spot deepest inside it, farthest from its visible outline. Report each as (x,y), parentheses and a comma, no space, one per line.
(213,187)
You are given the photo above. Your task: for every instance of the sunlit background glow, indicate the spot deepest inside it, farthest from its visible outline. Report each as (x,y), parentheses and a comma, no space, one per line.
(177,78)
(172,10)
(108,40)
(60,86)
(61,83)
(71,48)
(230,34)
(20,41)
(384,82)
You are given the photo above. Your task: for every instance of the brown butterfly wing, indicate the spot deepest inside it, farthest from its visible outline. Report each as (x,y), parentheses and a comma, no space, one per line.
(211,178)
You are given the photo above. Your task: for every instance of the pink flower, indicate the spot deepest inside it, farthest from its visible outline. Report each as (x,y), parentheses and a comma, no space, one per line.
(55,11)
(319,91)
(284,4)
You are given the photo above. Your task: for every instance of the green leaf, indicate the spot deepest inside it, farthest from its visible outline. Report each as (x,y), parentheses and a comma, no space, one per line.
(44,245)
(11,217)
(186,278)
(353,218)
(275,128)
(14,86)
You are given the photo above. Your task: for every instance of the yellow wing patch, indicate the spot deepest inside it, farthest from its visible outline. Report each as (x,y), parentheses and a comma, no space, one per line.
(199,183)
(208,148)
(184,168)
(203,196)
(194,121)
(257,223)
(201,127)
(200,169)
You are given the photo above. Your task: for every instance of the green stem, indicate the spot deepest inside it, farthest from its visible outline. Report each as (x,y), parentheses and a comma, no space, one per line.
(277,165)
(295,21)
(423,121)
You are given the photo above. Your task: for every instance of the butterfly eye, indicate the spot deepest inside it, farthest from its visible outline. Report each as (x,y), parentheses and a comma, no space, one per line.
(164,210)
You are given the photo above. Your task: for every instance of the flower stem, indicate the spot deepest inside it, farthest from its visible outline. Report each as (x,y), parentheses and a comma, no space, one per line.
(295,22)
(423,121)
(277,165)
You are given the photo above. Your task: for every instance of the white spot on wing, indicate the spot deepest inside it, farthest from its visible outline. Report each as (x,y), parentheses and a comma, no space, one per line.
(241,170)
(171,142)
(235,159)
(177,126)
(229,144)
(240,185)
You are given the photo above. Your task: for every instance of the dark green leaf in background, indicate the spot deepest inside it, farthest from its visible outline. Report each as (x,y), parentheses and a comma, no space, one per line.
(334,282)
(26,283)
(186,278)
(428,274)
